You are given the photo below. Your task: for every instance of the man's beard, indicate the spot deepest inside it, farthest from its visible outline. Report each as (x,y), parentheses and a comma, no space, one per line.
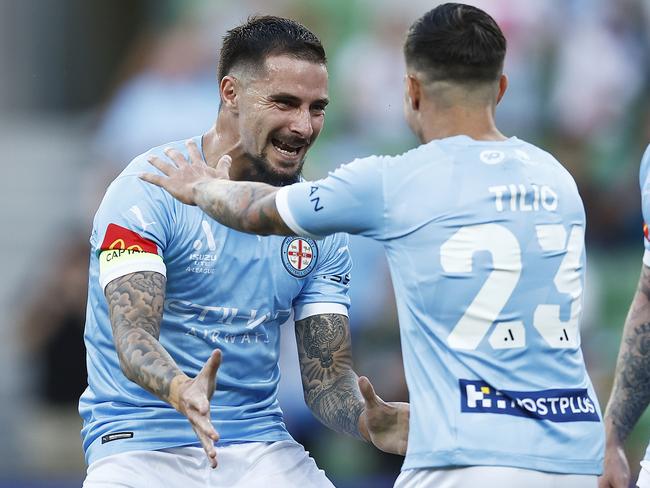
(261,170)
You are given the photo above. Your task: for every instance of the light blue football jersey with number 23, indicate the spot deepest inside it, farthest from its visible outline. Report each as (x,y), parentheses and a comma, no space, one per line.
(485,242)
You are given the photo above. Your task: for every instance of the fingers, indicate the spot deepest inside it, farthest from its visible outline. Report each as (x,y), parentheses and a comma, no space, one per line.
(199,417)
(195,153)
(223,167)
(153,179)
(176,156)
(368,392)
(164,167)
(211,366)
(207,442)
(208,374)
(203,426)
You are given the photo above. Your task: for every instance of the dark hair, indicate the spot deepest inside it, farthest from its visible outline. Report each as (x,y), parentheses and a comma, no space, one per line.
(262,36)
(456,42)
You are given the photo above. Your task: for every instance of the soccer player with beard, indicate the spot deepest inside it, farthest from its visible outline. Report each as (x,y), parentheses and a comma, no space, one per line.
(484,235)
(175,296)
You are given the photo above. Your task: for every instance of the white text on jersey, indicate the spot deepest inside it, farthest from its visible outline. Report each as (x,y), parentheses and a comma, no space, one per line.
(524,198)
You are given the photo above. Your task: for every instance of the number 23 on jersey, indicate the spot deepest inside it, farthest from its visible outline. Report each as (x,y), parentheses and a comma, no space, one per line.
(456,256)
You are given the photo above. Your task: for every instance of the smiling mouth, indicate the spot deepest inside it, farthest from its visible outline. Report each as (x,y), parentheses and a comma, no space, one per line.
(287,149)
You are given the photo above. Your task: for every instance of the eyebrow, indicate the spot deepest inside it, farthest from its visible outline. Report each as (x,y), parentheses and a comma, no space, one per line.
(288,97)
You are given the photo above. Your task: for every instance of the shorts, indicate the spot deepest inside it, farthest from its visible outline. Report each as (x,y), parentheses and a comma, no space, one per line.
(491,476)
(246,465)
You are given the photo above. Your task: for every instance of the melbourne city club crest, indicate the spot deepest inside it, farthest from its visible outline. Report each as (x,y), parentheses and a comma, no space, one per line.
(299,255)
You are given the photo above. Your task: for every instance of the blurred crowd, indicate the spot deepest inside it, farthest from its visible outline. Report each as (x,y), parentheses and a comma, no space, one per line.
(579,75)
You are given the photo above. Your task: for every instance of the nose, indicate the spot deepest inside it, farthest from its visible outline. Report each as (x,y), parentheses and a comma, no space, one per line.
(301,124)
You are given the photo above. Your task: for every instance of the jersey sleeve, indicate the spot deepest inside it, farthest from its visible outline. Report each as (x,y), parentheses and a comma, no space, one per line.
(132,229)
(350,199)
(644,180)
(327,288)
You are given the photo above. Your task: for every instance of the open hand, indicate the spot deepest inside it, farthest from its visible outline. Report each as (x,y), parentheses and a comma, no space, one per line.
(387,424)
(182,176)
(194,402)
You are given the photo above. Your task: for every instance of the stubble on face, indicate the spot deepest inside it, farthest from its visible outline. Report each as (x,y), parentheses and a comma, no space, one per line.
(284,113)
(260,169)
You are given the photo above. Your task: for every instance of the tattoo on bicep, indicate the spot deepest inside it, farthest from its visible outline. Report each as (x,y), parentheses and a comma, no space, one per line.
(329,383)
(135,304)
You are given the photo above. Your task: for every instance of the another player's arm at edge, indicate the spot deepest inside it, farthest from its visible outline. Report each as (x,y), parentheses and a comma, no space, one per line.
(328,380)
(242,205)
(631,391)
(135,303)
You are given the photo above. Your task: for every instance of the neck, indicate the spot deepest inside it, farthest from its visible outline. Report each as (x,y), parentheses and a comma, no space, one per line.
(475,122)
(223,138)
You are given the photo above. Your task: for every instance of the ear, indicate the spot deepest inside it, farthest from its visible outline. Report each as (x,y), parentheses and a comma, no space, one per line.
(414,91)
(503,86)
(229,90)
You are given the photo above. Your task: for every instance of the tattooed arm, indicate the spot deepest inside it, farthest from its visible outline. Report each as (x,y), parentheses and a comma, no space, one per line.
(328,381)
(242,205)
(631,391)
(135,303)
(336,396)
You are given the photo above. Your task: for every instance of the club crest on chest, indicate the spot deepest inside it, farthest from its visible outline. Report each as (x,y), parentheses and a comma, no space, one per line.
(299,255)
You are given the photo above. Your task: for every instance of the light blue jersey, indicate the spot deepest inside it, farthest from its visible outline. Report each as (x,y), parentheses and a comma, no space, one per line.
(485,242)
(644,180)
(225,289)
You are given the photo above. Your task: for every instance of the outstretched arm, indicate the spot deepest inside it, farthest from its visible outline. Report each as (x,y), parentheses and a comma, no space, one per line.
(135,303)
(631,391)
(242,205)
(336,395)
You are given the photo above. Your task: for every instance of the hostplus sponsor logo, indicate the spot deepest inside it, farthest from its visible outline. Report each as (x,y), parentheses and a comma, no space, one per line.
(556,405)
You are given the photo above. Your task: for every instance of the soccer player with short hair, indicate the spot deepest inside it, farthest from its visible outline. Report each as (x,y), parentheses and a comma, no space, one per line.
(484,235)
(174,296)
(631,390)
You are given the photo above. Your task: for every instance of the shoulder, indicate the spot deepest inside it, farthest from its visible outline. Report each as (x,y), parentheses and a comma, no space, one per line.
(545,158)
(128,191)
(128,180)
(139,164)
(382,162)
(372,170)
(365,167)
(332,242)
(334,247)
(537,154)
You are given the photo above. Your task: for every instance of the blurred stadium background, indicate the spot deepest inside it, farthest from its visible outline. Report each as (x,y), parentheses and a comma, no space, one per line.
(87,85)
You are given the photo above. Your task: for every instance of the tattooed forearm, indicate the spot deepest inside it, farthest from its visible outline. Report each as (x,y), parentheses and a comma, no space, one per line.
(135,304)
(242,205)
(329,383)
(631,391)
